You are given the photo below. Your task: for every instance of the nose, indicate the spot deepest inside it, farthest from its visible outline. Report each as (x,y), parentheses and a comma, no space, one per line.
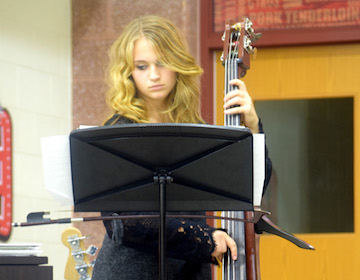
(154,73)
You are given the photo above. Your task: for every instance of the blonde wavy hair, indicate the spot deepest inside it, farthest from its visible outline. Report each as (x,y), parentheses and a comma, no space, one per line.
(169,46)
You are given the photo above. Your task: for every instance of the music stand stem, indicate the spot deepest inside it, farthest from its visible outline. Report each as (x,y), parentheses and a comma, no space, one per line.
(162,179)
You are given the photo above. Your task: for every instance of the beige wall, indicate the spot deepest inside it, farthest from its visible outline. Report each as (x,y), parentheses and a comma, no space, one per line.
(35,87)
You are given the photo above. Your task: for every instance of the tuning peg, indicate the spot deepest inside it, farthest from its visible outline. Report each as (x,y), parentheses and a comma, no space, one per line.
(249,26)
(91,250)
(250,30)
(83,271)
(79,255)
(256,36)
(74,241)
(247,44)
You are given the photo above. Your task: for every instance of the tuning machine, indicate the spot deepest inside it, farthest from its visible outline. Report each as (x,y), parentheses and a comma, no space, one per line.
(249,48)
(77,252)
(79,255)
(248,26)
(82,269)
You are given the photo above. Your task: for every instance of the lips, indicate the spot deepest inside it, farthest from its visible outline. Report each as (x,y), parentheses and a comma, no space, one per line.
(157,87)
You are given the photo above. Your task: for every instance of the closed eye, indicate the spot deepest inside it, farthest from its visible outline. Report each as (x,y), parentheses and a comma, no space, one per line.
(141,66)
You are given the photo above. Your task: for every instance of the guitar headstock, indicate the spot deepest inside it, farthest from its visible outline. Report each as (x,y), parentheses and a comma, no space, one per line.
(78,265)
(238,38)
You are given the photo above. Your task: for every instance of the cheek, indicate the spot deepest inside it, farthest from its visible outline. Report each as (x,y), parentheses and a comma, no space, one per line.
(137,78)
(172,78)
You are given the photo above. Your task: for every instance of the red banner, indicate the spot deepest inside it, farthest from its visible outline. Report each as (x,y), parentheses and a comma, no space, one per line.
(288,14)
(5,175)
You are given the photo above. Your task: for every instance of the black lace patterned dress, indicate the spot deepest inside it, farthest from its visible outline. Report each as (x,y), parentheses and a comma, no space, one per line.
(130,247)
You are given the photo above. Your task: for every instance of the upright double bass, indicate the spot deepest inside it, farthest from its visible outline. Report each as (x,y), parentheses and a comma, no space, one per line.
(238,38)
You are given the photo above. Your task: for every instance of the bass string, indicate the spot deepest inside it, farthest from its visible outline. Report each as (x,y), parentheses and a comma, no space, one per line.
(233,270)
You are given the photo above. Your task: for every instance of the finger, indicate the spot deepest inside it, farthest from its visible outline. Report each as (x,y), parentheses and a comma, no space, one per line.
(238,83)
(231,244)
(232,111)
(220,242)
(237,110)
(235,93)
(236,101)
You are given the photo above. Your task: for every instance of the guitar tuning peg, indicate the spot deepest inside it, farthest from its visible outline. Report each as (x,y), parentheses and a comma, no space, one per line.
(91,250)
(74,241)
(83,272)
(222,56)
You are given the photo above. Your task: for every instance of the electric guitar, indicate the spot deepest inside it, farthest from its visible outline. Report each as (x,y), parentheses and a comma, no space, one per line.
(78,266)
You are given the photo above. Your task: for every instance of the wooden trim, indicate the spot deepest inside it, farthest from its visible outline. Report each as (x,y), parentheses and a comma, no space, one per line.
(291,37)
(208,43)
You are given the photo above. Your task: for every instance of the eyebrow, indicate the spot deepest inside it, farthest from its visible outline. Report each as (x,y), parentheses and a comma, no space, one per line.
(145,61)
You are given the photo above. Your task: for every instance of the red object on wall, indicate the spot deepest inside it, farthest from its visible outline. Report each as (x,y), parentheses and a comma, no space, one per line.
(288,14)
(5,175)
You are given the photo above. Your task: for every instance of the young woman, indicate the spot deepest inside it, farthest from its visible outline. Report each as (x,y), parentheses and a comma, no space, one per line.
(152,79)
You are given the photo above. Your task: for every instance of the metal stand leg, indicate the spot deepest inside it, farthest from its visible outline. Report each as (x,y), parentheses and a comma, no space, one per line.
(162,180)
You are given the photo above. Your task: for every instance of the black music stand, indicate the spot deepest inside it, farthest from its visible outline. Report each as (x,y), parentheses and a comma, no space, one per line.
(162,167)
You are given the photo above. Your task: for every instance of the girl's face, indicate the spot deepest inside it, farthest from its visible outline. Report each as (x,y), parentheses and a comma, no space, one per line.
(153,81)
